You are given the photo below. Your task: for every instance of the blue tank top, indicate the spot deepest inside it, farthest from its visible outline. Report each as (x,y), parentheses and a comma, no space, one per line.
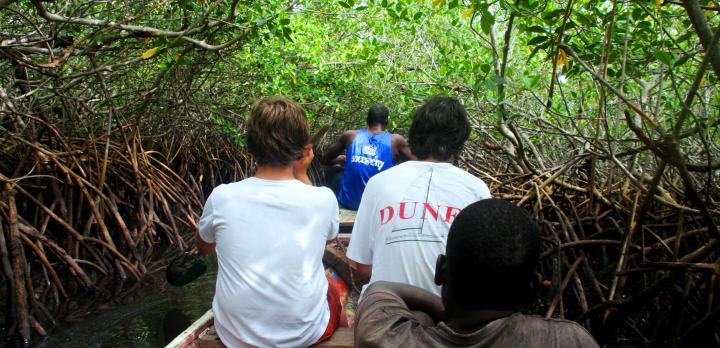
(367,155)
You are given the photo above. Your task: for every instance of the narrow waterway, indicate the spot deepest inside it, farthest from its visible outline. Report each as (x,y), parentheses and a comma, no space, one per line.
(148,314)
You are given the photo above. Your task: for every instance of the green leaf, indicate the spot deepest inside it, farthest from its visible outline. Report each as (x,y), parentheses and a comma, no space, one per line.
(345,4)
(665,57)
(552,15)
(533,52)
(535,29)
(537,40)
(509,6)
(486,21)
(584,19)
(287,32)
(494,81)
(285,21)
(417,16)
(392,13)
(485,68)
(680,61)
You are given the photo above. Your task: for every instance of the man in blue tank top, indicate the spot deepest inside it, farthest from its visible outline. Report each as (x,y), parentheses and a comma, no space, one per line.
(369,151)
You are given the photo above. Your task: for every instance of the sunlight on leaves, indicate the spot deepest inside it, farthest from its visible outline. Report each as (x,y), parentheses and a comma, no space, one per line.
(468,12)
(562,59)
(149,53)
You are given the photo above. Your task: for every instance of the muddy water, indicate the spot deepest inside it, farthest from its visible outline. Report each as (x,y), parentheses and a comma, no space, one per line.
(150,314)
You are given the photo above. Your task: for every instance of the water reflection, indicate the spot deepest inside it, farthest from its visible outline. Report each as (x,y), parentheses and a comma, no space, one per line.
(174,323)
(148,314)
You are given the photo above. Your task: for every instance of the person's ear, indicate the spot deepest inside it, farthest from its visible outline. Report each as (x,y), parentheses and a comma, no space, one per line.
(440,270)
(308,151)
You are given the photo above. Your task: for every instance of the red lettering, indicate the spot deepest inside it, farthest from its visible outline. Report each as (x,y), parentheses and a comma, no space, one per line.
(433,211)
(390,213)
(402,210)
(451,213)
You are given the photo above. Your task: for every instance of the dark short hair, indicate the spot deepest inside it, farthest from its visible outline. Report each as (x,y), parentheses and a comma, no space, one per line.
(378,114)
(439,129)
(493,248)
(277,131)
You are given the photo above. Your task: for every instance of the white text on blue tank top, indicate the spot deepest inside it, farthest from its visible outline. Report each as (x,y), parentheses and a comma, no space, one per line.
(368,161)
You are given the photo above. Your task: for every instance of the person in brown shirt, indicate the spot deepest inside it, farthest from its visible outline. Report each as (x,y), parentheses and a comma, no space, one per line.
(487,276)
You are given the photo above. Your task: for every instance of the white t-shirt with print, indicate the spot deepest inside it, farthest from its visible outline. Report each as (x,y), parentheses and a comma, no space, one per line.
(404,217)
(270,237)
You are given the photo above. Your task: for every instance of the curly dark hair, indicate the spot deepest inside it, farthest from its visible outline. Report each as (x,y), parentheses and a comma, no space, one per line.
(378,114)
(439,129)
(493,249)
(277,131)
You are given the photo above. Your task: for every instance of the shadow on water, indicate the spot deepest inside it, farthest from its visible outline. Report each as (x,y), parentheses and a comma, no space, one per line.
(151,316)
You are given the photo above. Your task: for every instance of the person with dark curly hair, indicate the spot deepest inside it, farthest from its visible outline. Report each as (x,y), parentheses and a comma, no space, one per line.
(269,232)
(487,276)
(405,212)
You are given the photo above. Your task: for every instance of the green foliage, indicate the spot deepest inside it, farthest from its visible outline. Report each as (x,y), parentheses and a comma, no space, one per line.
(338,57)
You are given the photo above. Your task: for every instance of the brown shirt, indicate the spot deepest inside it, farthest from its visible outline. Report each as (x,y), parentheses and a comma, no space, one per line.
(383,320)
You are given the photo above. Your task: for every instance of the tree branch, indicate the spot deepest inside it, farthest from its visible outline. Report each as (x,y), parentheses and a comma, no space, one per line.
(702,29)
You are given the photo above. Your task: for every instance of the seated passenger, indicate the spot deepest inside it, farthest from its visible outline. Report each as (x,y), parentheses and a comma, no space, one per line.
(487,277)
(369,151)
(269,232)
(406,211)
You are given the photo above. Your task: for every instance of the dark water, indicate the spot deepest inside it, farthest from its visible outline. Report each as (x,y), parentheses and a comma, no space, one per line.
(150,316)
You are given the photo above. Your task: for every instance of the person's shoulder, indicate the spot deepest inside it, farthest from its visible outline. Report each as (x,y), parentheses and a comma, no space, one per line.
(470,180)
(571,332)
(350,132)
(348,136)
(389,174)
(230,189)
(320,193)
(397,137)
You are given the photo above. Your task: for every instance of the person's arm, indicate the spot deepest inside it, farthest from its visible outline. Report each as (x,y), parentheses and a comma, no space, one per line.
(365,271)
(401,149)
(360,249)
(300,166)
(416,299)
(204,247)
(331,154)
(206,229)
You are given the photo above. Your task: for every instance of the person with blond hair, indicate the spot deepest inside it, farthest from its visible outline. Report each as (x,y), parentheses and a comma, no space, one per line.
(269,233)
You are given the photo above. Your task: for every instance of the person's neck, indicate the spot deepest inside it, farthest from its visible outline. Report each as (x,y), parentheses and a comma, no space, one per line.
(270,172)
(469,320)
(375,129)
(432,159)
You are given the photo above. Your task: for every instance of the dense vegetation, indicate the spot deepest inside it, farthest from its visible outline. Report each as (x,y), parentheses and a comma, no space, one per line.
(599,117)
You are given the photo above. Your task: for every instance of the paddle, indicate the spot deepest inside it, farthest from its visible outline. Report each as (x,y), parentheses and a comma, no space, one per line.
(187,267)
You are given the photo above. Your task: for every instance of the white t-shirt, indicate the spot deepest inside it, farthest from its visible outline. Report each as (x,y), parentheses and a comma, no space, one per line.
(404,217)
(270,237)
